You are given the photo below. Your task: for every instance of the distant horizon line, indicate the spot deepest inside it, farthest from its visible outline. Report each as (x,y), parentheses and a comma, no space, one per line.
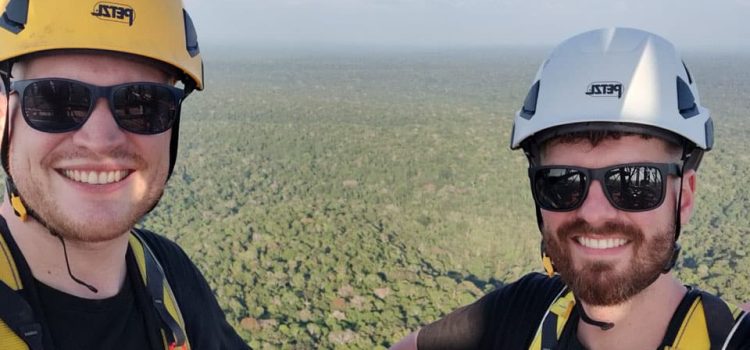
(359,47)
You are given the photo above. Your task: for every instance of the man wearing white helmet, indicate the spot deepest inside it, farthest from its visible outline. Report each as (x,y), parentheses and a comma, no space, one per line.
(91,111)
(614,131)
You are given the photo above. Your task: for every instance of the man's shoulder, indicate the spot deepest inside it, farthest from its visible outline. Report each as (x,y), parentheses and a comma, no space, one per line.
(722,318)
(177,266)
(505,318)
(206,325)
(534,287)
(164,248)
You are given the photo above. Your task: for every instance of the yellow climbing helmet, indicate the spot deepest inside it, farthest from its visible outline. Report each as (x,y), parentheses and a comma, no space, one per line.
(158,29)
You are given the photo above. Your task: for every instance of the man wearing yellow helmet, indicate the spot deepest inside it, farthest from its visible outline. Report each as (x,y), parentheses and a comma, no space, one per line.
(613,131)
(90,129)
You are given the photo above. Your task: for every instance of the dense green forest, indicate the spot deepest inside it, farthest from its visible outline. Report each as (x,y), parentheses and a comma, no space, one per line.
(340,199)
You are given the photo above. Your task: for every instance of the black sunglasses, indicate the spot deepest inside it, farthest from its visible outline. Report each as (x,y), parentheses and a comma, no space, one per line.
(628,187)
(61,105)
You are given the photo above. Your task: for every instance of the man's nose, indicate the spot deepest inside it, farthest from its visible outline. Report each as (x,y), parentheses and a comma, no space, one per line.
(596,208)
(100,133)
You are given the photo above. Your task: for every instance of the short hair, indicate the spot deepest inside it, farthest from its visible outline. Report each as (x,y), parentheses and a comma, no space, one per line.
(595,137)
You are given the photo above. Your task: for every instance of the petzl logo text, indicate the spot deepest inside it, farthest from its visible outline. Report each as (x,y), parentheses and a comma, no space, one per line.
(111,11)
(605,89)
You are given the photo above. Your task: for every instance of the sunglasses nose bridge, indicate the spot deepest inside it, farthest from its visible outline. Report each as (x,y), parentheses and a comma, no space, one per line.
(100,131)
(596,206)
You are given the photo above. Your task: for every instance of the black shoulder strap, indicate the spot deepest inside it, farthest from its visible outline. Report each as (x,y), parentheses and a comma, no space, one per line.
(17,314)
(679,316)
(740,334)
(719,319)
(155,283)
(550,339)
(549,332)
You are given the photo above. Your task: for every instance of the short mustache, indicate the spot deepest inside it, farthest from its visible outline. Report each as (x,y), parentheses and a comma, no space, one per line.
(119,153)
(610,228)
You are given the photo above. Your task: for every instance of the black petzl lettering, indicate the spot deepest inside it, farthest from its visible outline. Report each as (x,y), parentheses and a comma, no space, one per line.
(98,12)
(590,91)
(129,14)
(618,89)
(106,11)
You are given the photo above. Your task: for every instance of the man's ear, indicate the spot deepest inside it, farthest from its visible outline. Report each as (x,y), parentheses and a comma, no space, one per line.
(688,196)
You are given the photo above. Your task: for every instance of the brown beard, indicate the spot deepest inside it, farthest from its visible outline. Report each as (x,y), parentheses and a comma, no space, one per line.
(47,212)
(597,282)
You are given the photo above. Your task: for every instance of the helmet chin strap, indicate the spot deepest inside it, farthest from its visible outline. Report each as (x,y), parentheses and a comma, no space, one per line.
(688,158)
(605,326)
(24,213)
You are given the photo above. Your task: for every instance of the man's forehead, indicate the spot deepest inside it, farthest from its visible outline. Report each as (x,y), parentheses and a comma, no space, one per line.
(20,65)
(608,151)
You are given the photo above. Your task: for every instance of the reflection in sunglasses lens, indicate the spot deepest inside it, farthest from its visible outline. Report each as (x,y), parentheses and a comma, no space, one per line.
(635,187)
(628,187)
(59,105)
(56,105)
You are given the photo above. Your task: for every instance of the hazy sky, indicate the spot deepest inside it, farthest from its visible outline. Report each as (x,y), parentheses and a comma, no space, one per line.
(688,23)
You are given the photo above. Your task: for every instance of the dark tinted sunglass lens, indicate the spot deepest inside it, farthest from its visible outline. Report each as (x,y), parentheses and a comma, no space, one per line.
(559,188)
(635,187)
(145,108)
(56,105)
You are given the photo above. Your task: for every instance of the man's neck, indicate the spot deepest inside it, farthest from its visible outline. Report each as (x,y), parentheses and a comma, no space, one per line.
(100,264)
(640,323)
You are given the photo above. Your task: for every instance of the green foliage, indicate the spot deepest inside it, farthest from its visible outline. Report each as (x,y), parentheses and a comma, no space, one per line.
(341,200)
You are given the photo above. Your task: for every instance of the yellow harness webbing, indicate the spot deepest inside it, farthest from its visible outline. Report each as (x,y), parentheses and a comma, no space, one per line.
(694,331)
(12,336)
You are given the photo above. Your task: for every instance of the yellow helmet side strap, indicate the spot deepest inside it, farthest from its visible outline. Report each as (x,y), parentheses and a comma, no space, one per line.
(547,264)
(18,207)
(10,188)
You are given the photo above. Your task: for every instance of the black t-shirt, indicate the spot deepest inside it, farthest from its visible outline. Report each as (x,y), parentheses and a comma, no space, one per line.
(508,318)
(131,309)
(77,323)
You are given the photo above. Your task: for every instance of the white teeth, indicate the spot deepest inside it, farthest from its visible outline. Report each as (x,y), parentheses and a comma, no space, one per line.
(96,177)
(601,243)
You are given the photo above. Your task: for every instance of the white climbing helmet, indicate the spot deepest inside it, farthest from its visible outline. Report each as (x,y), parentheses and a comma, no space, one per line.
(615,79)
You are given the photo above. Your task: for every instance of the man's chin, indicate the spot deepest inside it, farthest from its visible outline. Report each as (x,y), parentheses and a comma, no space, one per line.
(102,227)
(603,285)
(91,233)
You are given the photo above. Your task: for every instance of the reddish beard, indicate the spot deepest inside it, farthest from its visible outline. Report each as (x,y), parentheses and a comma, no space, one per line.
(598,282)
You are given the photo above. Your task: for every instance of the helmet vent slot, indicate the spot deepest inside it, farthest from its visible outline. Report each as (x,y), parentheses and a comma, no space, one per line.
(529,105)
(686,100)
(15,16)
(191,37)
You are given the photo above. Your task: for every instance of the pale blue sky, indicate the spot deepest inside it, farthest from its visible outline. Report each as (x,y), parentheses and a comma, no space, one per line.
(722,24)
